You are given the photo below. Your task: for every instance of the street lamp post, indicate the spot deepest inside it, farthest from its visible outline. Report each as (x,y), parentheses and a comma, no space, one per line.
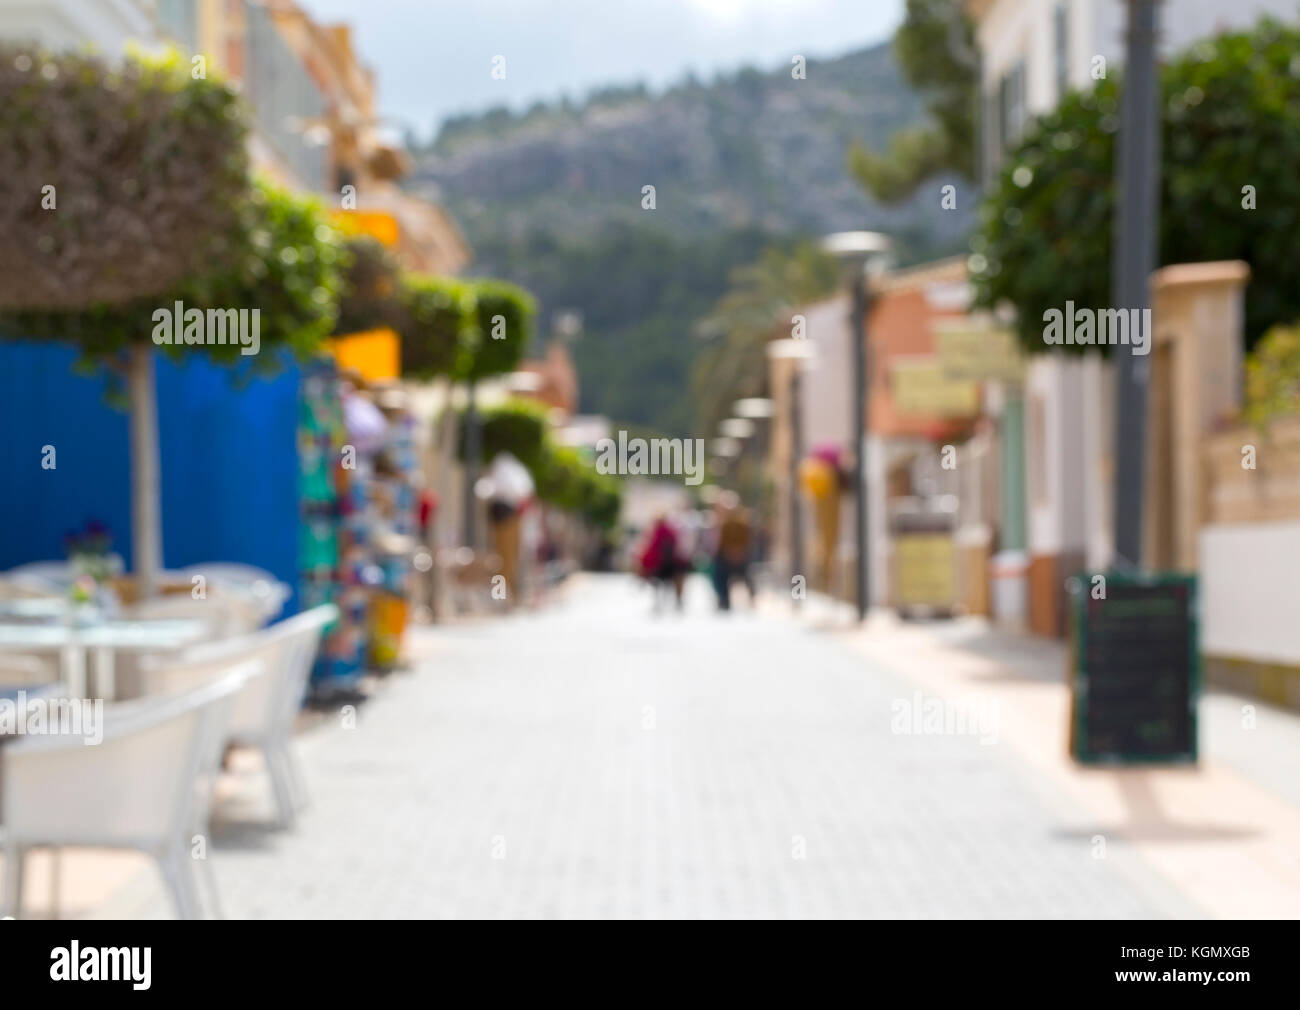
(857,249)
(1133,258)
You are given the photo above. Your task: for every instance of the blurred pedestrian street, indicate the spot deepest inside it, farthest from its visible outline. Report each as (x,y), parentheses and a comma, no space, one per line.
(595,759)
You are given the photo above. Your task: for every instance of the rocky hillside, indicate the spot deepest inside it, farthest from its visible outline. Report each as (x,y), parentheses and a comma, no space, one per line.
(552,198)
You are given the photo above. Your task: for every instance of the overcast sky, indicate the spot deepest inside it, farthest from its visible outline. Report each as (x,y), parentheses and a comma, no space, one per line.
(434,57)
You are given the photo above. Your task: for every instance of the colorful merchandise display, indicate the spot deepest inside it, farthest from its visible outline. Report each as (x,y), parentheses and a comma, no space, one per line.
(360,496)
(324,538)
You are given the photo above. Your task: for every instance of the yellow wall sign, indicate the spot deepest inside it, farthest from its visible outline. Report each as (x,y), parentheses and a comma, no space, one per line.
(925,570)
(921,387)
(377,224)
(375,355)
(969,350)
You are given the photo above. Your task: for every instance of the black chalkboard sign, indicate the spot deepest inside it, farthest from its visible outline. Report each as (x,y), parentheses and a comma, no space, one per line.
(1135,668)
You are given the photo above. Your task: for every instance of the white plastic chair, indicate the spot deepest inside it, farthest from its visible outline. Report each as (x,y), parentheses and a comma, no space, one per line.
(53,576)
(27,668)
(268,592)
(146,786)
(267,705)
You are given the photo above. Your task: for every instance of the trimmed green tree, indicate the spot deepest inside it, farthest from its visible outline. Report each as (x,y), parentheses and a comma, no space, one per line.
(285,267)
(503,317)
(121,181)
(136,196)
(437,319)
(1229,188)
(371,286)
(564,477)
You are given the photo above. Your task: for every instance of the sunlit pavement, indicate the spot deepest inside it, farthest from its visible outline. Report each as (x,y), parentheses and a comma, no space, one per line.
(595,760)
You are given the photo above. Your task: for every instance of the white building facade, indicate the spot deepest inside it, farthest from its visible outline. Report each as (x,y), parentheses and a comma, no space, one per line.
(106,25)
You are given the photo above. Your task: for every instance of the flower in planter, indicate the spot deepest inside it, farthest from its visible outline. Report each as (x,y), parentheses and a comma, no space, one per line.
(83,589)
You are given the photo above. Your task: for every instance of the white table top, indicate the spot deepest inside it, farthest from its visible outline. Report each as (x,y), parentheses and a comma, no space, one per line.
(121,636)
(36,608)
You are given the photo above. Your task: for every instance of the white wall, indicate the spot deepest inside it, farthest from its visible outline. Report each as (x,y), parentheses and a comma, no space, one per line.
(826,398)
(106,25)
(1098,459)
(1057,458)
(828,377)
(1023,29)
(1043,421)
(1250,585)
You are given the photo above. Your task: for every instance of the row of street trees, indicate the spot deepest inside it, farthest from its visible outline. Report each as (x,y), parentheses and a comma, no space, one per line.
(564,478)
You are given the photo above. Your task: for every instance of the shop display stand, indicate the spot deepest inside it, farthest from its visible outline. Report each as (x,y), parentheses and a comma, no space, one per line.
(325,492)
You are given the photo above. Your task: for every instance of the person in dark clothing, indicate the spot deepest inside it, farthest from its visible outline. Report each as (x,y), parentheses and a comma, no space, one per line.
(731,559)
(661,562)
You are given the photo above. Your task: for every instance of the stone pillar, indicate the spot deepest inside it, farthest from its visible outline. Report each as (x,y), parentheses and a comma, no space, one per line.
(1196,381)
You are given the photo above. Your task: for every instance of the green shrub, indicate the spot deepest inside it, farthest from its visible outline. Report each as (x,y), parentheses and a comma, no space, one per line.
(1273,376)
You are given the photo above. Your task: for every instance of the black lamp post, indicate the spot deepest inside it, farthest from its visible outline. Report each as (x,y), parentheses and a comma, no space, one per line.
(1137,210)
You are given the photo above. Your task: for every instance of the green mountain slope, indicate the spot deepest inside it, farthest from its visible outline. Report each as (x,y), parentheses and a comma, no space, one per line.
(552,199)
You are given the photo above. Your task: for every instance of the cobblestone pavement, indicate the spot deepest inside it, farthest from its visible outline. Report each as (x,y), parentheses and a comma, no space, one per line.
(594,760)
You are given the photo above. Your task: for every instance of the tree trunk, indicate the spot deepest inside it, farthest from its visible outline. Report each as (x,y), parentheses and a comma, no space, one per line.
(146,513)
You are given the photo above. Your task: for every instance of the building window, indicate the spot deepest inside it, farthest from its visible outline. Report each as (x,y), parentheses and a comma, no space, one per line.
(1011,106)
(1061,33)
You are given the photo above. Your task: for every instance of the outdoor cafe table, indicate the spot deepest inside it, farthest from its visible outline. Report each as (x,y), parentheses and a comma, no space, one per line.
(102,641)
(36,608)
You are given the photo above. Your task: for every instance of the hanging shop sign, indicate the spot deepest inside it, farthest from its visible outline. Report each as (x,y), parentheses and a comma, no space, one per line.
(920,387)
(970,349)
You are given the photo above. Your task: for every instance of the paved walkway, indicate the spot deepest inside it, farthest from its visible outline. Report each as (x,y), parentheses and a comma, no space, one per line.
(1225,834)
(597,761)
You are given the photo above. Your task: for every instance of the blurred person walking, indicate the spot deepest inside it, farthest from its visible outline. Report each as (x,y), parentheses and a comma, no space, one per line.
(731,559)
(661,560)
(507,486)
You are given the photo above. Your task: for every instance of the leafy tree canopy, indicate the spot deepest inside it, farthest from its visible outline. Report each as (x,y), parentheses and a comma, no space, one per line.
(438,318)
(1229,189)
(936,49)
(286,265)
(371,279)
(120,181)
(504,315)
(564,477)
(465,329)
